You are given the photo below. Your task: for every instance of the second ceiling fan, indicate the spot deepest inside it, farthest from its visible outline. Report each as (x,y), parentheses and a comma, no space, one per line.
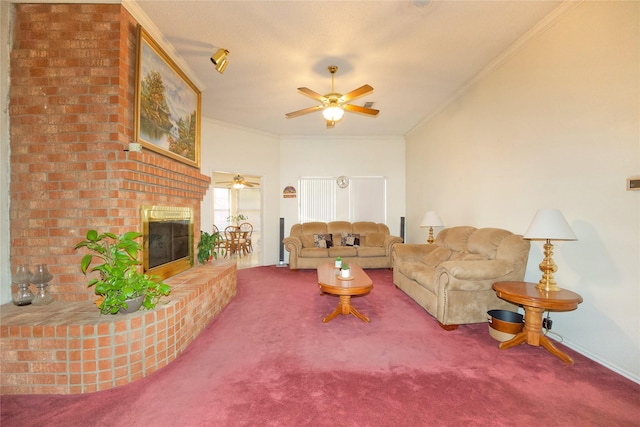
(239,183)
(335,104)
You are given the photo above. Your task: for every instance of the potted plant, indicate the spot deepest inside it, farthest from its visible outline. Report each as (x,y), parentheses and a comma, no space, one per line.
(345,271)
(206,246)
(119,281)
(235,219)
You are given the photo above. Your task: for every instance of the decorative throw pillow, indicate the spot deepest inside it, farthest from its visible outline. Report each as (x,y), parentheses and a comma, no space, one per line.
(350,239)
(323,240)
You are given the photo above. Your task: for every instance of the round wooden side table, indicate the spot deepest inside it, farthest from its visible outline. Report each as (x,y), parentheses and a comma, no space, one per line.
(535,302)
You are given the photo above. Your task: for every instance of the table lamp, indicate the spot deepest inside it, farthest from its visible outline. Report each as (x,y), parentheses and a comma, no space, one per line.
(548,225)
(431,219)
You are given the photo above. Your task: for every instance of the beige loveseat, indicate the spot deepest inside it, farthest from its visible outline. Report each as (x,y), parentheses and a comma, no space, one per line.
(452,278)
(367,244)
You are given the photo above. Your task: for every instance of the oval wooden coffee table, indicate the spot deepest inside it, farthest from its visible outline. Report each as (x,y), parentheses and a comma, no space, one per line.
(331,283)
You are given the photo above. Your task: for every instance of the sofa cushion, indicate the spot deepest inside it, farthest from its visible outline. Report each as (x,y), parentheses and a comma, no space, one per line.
(463,256)
(427,279)
(436,256)
(307,241)
(424,275)
(366,227)
(314,253)
(350,239)
(323,240)
(337,228)
(485,241)
(374,239)
(343,251)
(370,251)
(455,238)
(408,268)
(314,228)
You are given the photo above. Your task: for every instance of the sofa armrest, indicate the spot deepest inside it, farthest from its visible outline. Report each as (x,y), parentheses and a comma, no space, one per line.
(476,271)
(293,244)
(411,252)
(390,242)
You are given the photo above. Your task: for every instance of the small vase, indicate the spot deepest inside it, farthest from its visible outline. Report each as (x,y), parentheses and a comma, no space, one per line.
(20,278)
(42,297)
(23,295)
(133,305)
(345,273)
(41,278)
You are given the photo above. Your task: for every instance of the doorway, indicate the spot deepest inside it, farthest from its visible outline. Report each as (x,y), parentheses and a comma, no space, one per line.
(237,198)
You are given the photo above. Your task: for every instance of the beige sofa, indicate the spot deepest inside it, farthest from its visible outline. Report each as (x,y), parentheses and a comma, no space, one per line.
(367,244)
(452,278)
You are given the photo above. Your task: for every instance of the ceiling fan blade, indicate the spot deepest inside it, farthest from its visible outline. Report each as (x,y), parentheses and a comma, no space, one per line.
(303,111)
(357,93)
(362,110)
(312,94)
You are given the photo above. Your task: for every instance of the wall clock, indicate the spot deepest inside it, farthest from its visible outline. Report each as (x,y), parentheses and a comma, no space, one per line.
(342,181)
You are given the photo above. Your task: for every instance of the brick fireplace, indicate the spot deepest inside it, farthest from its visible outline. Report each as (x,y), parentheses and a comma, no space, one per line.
(71,117)
(71,114)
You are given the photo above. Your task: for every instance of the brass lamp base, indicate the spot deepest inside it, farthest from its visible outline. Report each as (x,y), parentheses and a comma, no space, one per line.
(548,267)
(430,240)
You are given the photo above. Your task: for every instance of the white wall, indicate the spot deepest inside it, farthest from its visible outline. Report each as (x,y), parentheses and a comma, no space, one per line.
(557,124)
(228,148)
(349,156)
(281,161)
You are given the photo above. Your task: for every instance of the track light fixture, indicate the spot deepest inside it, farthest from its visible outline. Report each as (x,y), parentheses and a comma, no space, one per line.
(219,59)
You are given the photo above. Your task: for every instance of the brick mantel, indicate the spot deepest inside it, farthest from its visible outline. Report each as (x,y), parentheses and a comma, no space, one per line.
(71,120)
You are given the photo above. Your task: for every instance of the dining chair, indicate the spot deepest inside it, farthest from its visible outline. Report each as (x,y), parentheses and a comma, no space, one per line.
(234,242)
(220,243)
(246,230)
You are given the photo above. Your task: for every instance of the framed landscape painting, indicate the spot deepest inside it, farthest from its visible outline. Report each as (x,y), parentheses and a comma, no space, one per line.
(167,113)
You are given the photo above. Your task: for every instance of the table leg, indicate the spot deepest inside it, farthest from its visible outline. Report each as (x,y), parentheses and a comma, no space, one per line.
(518,339)
(337,311)
(532,334)
(344,307)
(546,343)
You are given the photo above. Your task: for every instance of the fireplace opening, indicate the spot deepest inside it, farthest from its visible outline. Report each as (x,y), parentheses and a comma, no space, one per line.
(167,240)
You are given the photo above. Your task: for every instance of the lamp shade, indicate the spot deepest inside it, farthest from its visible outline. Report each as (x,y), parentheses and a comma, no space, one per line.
(549,224)
(431,219)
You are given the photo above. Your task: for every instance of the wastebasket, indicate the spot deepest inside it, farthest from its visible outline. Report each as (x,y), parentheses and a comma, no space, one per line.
(504,324)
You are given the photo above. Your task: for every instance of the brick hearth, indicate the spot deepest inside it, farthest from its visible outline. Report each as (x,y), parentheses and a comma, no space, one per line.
(68,347)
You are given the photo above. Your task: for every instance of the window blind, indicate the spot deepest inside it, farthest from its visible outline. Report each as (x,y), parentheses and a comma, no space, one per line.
(368,199)
(317,199)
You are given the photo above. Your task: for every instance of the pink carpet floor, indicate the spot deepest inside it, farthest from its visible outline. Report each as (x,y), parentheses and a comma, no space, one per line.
(268,360)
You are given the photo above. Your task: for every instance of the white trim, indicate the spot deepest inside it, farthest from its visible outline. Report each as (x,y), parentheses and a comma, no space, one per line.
(586,353)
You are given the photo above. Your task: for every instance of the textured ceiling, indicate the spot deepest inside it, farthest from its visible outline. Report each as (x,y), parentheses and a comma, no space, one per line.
(416,54)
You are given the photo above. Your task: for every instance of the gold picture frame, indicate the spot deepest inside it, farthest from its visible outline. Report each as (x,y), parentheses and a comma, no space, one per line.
(167,125)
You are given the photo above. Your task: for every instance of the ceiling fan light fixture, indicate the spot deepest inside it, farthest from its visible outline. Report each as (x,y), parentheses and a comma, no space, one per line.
(219,59)
(333,113)
(334,104)
(238,186)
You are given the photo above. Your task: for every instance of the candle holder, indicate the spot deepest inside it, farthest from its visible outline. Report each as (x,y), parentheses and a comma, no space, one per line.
(41,278)
(21,277)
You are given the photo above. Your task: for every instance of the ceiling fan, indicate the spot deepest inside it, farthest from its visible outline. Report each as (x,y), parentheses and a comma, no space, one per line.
(335,104)
(239,183)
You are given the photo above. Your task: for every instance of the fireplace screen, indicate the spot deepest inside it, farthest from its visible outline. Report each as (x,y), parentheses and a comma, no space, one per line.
(168,240)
